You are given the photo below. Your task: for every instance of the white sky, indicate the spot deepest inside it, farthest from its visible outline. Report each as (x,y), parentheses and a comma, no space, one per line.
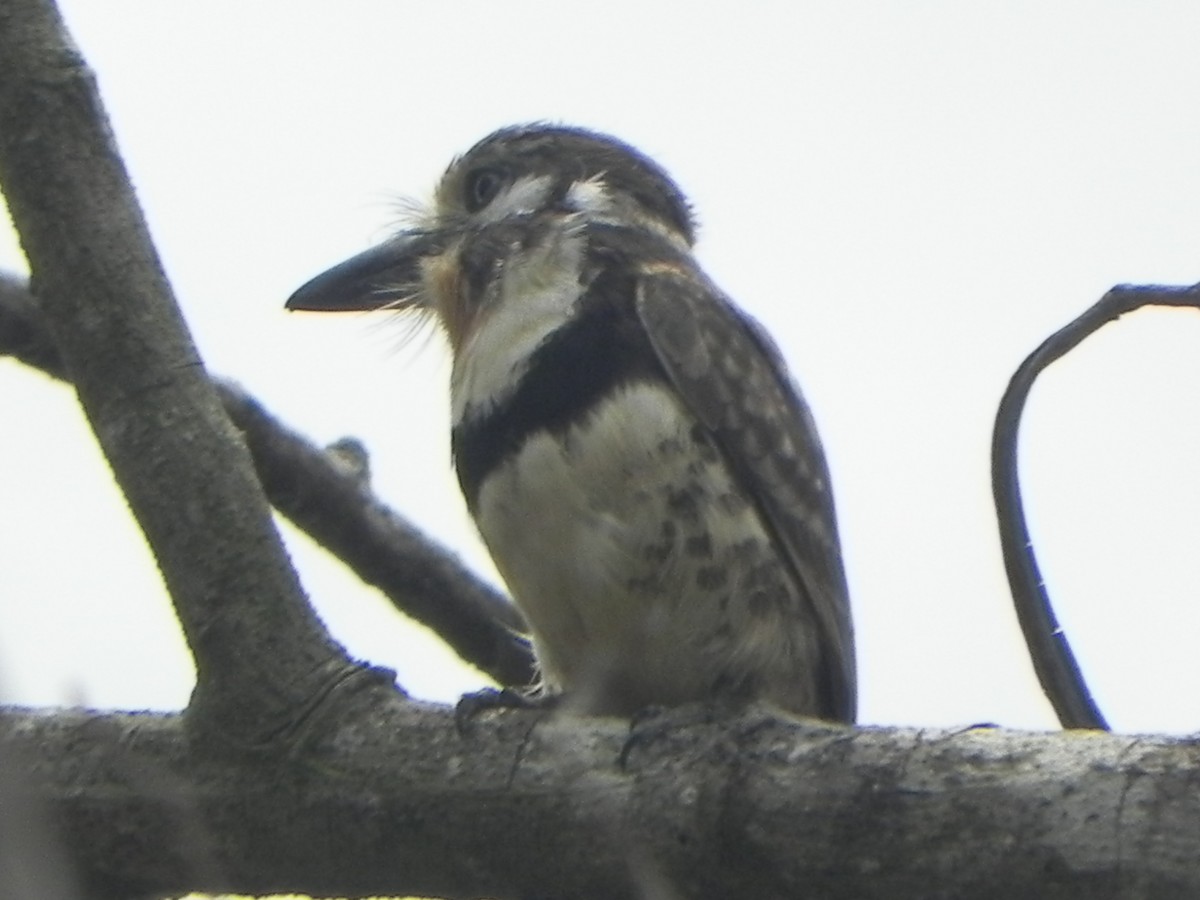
(910,196)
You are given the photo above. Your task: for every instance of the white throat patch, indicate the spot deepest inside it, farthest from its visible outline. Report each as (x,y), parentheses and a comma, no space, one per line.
(533,297)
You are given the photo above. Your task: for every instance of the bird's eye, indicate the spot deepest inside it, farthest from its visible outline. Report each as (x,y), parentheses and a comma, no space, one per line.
(482,187)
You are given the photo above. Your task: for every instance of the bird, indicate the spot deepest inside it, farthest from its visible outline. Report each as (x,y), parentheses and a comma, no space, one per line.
(634,453)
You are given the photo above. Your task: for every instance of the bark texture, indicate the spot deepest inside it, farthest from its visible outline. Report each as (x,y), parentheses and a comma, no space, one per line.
(373,794)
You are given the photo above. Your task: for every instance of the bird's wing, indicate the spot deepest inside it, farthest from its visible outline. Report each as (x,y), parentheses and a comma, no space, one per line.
(734,381)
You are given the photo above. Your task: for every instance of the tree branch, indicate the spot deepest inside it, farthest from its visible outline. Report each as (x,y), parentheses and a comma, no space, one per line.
(422,578)
(24,333)
(180,463)
(1053,661)
(380,796)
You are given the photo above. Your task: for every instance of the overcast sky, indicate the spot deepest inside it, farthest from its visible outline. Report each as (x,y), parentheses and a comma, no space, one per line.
(910,196)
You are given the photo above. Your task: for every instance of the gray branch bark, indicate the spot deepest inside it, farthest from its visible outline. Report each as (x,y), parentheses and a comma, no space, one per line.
(179,461)
(379,795)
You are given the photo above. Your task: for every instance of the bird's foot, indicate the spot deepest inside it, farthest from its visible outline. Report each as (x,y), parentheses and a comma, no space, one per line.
(471,705)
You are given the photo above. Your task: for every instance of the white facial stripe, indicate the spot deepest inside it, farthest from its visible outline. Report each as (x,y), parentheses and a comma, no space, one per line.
(590,197)
(534,298)
(525,195)
(594,200)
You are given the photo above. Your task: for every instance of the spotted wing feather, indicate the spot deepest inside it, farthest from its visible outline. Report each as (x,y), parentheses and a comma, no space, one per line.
(733,379)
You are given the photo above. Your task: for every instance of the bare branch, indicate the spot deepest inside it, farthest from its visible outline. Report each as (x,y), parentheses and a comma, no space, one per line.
(392,799)
(24,333)
(422,578)
(33,862)
(1048,646)
(180,463)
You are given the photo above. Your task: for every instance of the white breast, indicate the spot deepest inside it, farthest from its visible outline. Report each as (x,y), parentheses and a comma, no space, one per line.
(588,531)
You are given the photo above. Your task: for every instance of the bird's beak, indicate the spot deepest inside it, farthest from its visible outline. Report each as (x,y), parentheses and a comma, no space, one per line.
(385,276)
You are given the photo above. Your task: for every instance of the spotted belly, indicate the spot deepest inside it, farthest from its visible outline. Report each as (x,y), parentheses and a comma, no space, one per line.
(645,573)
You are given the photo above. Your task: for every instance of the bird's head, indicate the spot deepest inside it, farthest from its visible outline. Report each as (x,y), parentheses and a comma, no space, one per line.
(510,198)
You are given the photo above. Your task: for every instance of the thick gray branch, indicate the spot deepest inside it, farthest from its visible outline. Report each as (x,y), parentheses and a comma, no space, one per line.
(180,463)
(394,800)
